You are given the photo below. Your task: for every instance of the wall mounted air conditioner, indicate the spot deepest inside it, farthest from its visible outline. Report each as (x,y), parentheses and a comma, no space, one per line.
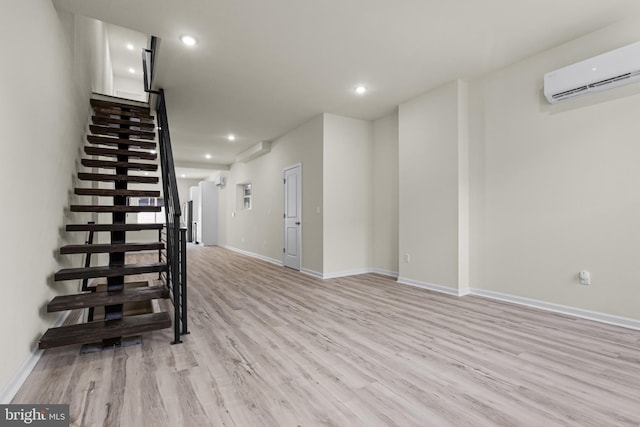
(220,181)
(612,69)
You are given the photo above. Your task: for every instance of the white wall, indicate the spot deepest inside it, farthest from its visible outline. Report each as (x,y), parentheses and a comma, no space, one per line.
(385,194)
(107,67)
(184,186)
(125,87)
(347,189)
(336,154)
(259,230)
(555,188)
(208,213)
(45,85)
(96,45)
(432,139)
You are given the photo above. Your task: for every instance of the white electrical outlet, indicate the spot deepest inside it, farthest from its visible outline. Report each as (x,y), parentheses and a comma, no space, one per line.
(407,258)
(585,277)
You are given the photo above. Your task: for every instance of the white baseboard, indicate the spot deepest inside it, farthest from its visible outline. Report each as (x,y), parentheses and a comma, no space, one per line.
(254,255)
(11,388)
(357,271)
(562,309)
(346,273)
(433,287)
(353,272)
(311,273)
(542,305)
(314,273)
(610,319)
(384,272)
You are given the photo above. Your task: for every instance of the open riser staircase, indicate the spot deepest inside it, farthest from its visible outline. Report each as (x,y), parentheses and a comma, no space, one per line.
(122,144)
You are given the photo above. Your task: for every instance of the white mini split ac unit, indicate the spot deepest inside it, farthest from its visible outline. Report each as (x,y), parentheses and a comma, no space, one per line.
(612,69)
(220,181)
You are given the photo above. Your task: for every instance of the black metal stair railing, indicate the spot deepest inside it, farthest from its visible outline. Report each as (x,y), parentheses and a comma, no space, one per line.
(85,282)
(175,236)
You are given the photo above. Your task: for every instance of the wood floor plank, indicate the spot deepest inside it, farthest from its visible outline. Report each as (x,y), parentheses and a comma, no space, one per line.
(270,346)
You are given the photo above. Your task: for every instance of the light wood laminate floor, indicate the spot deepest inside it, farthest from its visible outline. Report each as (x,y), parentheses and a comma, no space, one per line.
(272,347)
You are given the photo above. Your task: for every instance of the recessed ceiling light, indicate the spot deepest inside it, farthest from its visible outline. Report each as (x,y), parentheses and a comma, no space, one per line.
(208,156)
(594,69)
(153,151)
(231,137)
(360,90)
(129,46)
(188,40)
(183,176)
(146,173)
(132,70)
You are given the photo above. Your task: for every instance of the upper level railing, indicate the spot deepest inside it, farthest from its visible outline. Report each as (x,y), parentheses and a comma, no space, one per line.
(176,242)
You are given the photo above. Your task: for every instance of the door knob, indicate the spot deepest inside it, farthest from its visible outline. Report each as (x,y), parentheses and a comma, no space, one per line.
(297,222)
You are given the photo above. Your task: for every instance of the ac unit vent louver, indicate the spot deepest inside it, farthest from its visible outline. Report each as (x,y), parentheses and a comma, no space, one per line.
(612,69)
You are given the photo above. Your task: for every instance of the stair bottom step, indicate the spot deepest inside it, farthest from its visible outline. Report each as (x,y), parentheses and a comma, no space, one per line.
(96,331)
(133,293)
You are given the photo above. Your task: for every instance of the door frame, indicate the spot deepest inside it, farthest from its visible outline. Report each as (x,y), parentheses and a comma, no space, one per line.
(284,209)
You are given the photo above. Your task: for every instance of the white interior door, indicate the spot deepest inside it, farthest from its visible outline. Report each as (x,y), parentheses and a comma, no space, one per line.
(292,216)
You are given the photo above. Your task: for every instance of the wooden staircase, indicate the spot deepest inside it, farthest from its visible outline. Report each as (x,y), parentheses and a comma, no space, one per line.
(124,134)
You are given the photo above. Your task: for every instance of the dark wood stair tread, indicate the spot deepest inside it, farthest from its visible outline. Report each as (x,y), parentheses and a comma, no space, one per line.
(100,299)
(108,192)
(113,227)
(106,130)
(97,331)
(110,152)
(104,111)
(109,271)
(110,164)
(127,285)
(111,208)
(110,177)
(109,248)
(101,103)
(106,120)
(108,140)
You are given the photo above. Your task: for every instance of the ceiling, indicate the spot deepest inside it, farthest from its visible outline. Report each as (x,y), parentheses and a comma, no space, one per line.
(261,68)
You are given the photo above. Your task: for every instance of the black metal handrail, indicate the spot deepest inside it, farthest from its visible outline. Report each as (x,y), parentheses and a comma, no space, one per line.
(148,62)
(87,264)
(176,242)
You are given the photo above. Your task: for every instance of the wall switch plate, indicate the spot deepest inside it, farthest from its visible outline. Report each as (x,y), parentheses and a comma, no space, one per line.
(585,277)
(407,258)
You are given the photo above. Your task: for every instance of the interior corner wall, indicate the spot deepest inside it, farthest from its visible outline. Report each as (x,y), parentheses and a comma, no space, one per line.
(385,194)
(184,188)
(96,45)
(348,203)
(259,230)
(43,114)
(104,50)
(555,187)
(429,187)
